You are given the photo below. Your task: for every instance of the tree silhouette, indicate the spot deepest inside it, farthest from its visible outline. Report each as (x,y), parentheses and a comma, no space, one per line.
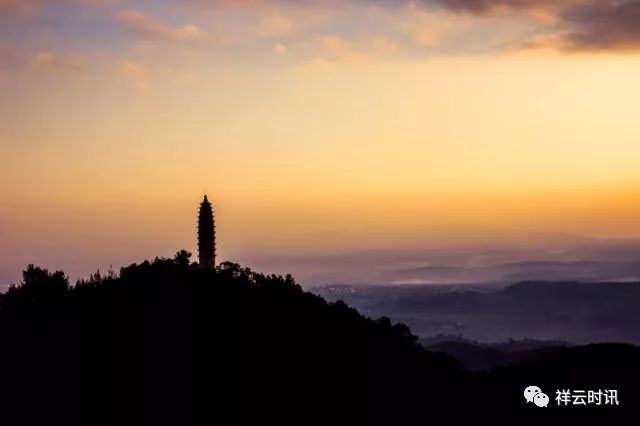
(183,258)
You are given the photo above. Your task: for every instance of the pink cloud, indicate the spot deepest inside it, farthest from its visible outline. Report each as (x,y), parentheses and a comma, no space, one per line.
(14,62)
(146,26)
(279,49)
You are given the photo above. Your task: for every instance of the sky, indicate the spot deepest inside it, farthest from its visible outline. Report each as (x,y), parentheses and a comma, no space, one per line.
(335,138)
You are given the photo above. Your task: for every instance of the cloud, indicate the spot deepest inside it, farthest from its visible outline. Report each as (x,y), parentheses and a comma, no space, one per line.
(146,26)
(603,25)
(323,53)
(551,41)
(443,25)
(327,50)
(574,25)
(15,62)
(595,26)
(471,6)
(132,70)
(279,49)
(275,26)
(336,48)
(437,28)
(502,6)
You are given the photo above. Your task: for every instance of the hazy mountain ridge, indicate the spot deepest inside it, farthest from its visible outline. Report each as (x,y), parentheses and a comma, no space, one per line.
(568,311)
(487,356)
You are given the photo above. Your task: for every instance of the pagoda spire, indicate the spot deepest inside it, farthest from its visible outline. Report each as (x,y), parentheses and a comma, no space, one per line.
(206,234)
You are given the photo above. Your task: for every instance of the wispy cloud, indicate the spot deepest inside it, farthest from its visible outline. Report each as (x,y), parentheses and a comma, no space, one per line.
(335,48)
(280,49)
(146,26)
(565,25)
(502,6)
(15,62)
(325,51)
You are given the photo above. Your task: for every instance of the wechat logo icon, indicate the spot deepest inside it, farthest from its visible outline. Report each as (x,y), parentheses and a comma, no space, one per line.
(534,394)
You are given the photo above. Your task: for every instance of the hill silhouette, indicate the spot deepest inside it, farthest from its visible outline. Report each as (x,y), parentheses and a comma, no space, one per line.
(164,342)
(168,342)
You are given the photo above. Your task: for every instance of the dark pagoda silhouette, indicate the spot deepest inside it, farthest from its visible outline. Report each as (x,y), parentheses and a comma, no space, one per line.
(206,235)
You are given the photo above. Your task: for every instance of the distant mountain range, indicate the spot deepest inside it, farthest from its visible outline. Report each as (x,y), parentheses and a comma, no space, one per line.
(583,270)
(575,312)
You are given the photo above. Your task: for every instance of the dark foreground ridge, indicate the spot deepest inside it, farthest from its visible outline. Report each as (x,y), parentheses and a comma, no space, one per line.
(168,342)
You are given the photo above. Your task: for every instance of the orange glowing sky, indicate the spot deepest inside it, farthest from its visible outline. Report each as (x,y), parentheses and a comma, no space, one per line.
(316,127)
